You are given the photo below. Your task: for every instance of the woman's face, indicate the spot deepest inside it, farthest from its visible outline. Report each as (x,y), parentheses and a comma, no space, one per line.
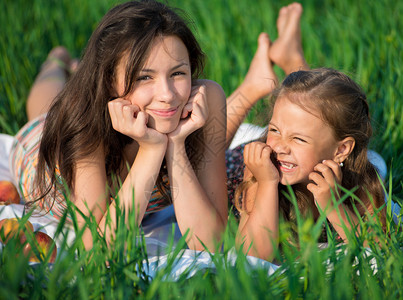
(163,85)
(300,140)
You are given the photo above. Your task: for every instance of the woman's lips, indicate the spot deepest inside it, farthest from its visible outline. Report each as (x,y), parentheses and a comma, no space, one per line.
(164,113)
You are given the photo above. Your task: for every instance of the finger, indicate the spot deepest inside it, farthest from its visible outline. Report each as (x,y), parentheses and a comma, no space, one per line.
(336,168)
(114,107)
(200,109)
(135,110)
(202,90)
(266,154)
(246,154)
(128,113)
(317,179)
(142,117)
(252,152)
(249,150)
(313,188)
(119,102)
(326,172)
(258,152)
(187,109)
(140,126)
(195,90)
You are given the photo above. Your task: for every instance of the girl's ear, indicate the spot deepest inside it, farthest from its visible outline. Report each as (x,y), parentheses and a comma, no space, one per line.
(345,147)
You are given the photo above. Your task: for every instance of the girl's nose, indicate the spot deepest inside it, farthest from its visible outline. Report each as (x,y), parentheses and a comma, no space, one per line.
(280,146)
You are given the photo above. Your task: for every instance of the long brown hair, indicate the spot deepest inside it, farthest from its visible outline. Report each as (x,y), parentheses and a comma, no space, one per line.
(343,106)
(78,121)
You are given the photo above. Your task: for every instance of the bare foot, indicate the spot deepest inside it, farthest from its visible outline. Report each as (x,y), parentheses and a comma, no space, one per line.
(74,65)
(58,65)
(261,78)
(286,51)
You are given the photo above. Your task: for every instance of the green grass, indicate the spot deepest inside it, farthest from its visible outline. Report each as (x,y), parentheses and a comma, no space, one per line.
(362,39)
(340,271)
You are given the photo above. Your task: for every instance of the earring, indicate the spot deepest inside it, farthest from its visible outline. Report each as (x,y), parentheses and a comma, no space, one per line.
(341,164)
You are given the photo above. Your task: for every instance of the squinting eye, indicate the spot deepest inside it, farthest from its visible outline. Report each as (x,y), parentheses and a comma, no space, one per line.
(300,140)
(178,73)
(273,130)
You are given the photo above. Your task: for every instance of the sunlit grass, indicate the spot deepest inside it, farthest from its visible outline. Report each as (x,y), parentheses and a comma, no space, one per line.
(362,39)
(118,270)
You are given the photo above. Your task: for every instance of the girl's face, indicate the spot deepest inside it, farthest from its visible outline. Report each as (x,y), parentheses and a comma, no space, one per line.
(164,84)
(300,140)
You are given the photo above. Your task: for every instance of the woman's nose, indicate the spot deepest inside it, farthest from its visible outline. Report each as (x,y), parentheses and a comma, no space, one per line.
(165,91)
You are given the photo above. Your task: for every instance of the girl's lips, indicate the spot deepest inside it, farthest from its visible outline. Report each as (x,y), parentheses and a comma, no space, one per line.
(286,166)
(165,113)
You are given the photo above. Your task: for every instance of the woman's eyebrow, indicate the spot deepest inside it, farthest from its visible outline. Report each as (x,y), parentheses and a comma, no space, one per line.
(173,68)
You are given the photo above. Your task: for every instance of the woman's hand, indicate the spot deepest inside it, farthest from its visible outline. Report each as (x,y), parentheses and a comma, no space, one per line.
(257,158)
(325,177)
(129,120)
(198,110)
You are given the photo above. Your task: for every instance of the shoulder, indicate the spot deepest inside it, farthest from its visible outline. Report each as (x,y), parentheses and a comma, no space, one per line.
(216,102)
(215,93)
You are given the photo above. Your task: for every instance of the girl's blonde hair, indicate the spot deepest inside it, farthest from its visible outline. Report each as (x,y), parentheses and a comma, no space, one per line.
(342,105)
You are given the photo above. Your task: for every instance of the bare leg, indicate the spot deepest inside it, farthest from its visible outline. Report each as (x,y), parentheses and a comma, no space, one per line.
(49,82)
(258,83)
(286,51)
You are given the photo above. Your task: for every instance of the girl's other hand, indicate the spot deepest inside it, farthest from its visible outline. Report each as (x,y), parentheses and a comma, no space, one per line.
(129,120)
(257,158)
(198,110)
(326,175)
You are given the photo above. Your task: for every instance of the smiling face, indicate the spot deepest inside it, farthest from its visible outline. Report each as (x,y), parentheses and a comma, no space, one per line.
(300,140)
(164,83)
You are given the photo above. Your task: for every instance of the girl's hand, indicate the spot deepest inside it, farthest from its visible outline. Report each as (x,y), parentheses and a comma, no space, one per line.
(258,161)
(129,120)
(198,110)
(325,177)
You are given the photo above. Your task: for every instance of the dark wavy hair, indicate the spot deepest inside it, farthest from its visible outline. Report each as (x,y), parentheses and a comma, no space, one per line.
(78,121)
(342,105)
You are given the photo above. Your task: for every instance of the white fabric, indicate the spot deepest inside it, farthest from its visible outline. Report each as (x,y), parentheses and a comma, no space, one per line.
(157,236)
(193,261)
(6,141)
(158,226)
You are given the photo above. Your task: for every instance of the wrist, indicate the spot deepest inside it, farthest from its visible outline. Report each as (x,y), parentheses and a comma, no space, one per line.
(176,141)
(268,179)
(326,207)
(154,149)
(267,184)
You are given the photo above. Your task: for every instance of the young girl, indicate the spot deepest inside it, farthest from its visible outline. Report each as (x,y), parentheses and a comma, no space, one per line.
(130,123)
(317,139)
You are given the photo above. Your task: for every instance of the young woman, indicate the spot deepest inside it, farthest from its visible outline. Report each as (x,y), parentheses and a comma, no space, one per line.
(131,123)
